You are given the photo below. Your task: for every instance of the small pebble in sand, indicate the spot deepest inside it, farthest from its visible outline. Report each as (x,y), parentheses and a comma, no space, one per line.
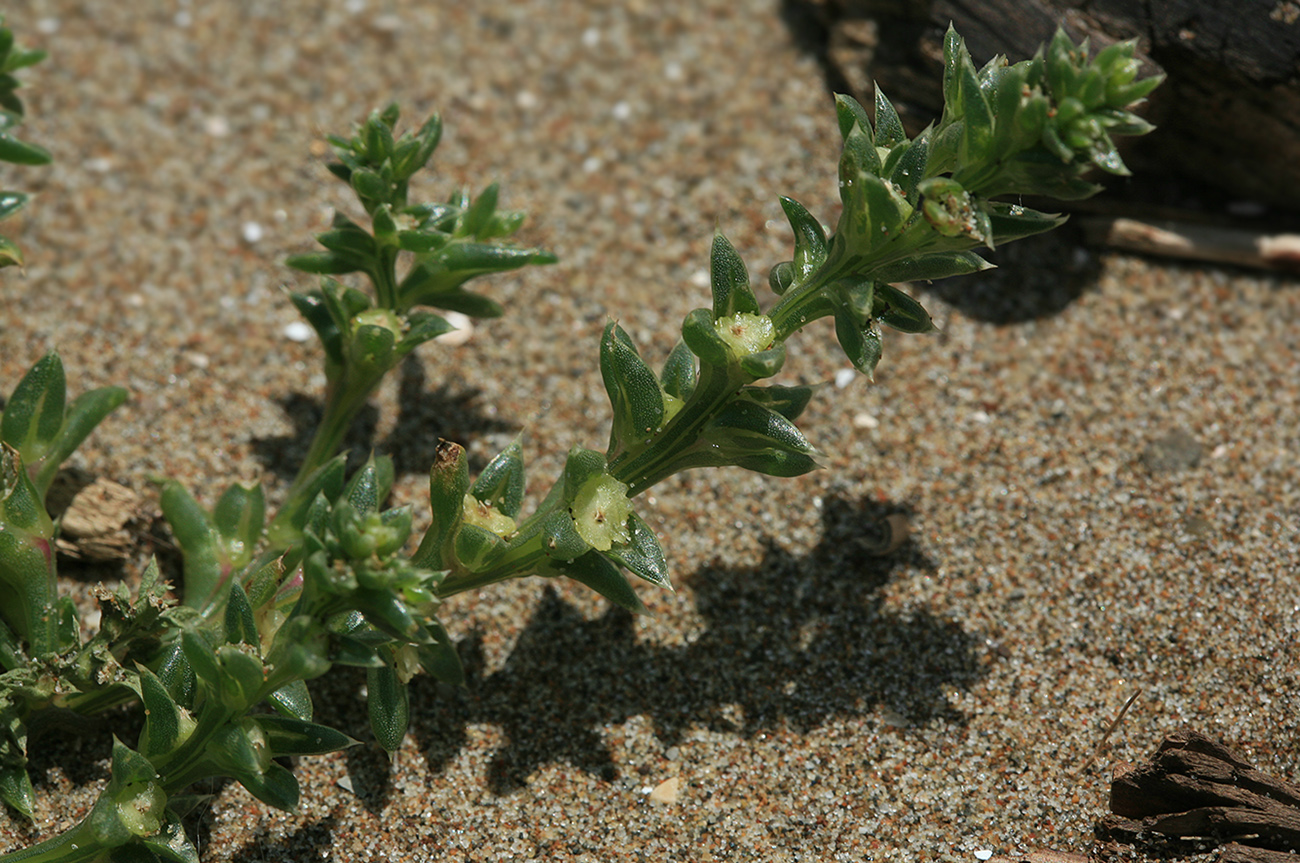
(666,791)
(297,331)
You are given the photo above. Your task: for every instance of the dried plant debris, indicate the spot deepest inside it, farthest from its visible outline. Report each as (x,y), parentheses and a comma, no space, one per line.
(96,518)
(1195,790)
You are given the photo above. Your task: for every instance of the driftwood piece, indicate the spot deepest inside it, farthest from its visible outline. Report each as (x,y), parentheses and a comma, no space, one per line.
(1238,246)
(1195,788)
(1228,115)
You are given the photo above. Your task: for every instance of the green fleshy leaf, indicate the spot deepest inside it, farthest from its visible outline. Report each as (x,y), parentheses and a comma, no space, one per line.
(764,364)
(978,131)
(781,277)
(502,482)
(27,587)
(162,725)
(634,392)
(857,295)
(326,483)
(17,792)
(561,539)
(34,413)
(440,660)
(901,312)
(298,653)
(275,786)
(241,626)
(642,556)
(370,187)
(22,153)
(388,613)
(84,413)
(327,263)
(421,242)
(176,674)
(67,630)
(10,203)
(352,241)
(448,483)
(885,209)
(909,168)
(810,247)
(199,543)
(428,136)
(1010,128)
(170,843)
(288,736)
(421,327)
(355,653)
(381,220)
(373,348)
(700,334)
(239,516)
(1012,221)
(849,112)
(433,282)
(858,158)
(580,465)
(292,700)
(21,507)
(10,254)
(128,766)
(370,485)
(679,373)
(467,303)
(242,675)
(11,653)
(475,546)
(936,265)
(593,570)
(751,436)
(262,585)
(313,308)
(789,402)
(20,59)
(389,705)
(377,135)
(777,462)
(889,128)
(479,215)
(730,281)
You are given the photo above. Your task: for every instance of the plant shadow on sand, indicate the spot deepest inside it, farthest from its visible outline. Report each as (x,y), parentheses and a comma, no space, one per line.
(792,642)
(425,414)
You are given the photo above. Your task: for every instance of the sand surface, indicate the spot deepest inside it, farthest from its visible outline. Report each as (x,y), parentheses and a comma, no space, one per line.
(809,701)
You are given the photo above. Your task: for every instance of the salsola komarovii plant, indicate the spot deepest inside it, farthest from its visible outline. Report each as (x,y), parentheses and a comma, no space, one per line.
(269,602)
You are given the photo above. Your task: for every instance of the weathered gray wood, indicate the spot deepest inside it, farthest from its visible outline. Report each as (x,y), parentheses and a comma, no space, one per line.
(1229,115)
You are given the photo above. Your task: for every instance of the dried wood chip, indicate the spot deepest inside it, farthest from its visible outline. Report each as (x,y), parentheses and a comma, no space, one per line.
(96,524)
(1196,788)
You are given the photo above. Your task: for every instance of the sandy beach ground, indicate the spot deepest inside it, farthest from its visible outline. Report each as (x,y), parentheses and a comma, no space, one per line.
(810,701)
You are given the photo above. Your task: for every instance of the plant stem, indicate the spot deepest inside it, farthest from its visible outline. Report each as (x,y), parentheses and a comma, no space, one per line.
(655,463)
(343,403)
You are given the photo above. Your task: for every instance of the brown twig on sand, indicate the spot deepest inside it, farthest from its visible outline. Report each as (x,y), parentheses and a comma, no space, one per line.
(1110,729)
(1224,245)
